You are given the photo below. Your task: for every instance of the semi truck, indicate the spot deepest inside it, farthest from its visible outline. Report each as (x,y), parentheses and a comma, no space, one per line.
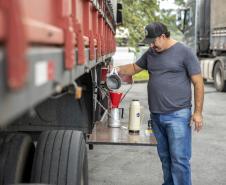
(203,23)
(52,53)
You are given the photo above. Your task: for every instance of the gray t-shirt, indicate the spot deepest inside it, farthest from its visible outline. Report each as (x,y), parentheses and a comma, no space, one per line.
(169,85)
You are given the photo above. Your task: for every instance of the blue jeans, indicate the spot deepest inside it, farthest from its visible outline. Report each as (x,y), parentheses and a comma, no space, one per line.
(173,135)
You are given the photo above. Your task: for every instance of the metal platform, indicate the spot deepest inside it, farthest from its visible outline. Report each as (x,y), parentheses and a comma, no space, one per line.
(103,134)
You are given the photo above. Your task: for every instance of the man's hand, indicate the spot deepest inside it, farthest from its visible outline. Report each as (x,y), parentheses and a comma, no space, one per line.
(128,69)
(197,120)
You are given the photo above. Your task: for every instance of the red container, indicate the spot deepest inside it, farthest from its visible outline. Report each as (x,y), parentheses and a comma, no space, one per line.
(104,71)
(115,99)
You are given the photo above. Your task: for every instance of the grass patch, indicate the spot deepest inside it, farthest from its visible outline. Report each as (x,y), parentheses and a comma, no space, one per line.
(141,76)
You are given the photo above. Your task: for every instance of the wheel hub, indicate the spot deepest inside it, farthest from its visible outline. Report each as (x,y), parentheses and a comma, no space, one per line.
(218,78)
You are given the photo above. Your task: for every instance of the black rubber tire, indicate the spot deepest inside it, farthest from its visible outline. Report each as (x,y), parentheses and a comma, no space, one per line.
(61,158)
(16,156)
(30,184)
(219,81)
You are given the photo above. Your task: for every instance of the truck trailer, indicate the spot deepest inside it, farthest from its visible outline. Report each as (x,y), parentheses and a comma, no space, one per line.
(203,23)
(52,53)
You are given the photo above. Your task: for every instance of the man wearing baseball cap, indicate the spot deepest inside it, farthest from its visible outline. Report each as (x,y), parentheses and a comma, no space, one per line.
(172,67)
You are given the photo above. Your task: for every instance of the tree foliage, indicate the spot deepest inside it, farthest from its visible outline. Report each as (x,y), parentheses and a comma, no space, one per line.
(180,2)
(138,13)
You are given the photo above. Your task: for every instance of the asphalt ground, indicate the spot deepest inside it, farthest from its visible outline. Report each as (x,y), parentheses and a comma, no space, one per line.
(140,165)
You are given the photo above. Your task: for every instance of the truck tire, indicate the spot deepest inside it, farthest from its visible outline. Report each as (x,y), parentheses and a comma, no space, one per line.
(29,184)
(16,156)
(61,159)
(219,81)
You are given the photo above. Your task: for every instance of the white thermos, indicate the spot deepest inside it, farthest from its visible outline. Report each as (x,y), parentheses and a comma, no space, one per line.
(134,116)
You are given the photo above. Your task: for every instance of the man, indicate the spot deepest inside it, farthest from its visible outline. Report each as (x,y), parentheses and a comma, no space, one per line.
(172,67)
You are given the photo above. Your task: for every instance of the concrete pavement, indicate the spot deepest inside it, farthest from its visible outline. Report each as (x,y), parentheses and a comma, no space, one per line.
(140,165)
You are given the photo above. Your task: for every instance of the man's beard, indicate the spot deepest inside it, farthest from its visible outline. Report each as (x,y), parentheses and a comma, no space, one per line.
(157,49)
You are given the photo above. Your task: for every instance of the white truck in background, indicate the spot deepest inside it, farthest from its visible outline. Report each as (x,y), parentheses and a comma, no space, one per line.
(203,23)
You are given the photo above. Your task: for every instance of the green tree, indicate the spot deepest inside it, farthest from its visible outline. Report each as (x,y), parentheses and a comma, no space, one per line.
(138,13)
(180,2)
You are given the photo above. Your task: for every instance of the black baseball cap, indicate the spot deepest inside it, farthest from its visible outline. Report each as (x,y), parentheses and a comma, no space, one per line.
(154,30)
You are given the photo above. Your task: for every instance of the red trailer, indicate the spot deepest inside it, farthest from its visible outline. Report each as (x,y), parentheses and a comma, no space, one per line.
(51,56)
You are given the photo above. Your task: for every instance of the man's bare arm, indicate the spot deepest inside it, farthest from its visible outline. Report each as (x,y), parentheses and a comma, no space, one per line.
(197,81)
(129,69)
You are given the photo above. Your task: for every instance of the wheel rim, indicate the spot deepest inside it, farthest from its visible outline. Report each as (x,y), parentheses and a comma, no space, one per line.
(218,78)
